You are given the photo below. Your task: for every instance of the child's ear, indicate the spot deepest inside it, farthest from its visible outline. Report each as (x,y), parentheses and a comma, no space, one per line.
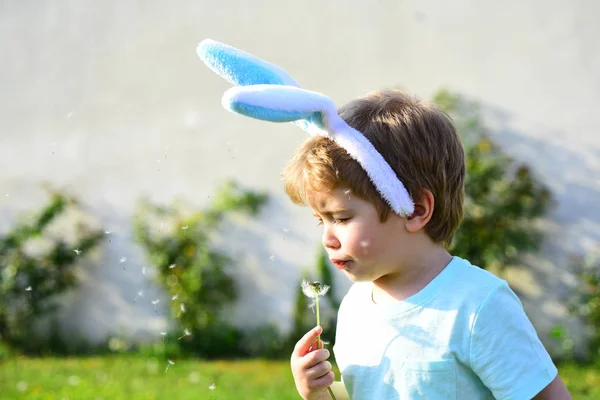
(423,212)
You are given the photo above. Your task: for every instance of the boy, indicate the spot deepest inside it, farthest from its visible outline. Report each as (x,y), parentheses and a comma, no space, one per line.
(417,323)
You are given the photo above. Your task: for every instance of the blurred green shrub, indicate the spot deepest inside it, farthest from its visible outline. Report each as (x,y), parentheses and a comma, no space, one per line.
(193,273)
(586,300)
(503,200)
(39,257)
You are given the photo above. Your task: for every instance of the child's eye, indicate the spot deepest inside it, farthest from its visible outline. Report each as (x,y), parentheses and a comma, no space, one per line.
(319,222)
(340,220)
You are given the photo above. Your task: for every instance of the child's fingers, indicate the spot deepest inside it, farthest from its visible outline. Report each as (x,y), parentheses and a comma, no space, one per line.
(305,343)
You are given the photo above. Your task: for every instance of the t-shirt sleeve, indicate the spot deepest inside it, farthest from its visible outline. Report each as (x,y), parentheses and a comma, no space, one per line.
(506,352)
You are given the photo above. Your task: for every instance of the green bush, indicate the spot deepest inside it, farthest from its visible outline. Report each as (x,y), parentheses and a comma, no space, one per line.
(192,272)
(503,200)
(39,259)
(586,301)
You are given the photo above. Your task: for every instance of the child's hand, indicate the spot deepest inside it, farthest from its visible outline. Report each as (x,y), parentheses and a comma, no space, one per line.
(312,373)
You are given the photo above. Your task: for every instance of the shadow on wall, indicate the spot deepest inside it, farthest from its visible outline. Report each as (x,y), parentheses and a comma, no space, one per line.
(572,226)
(117,293)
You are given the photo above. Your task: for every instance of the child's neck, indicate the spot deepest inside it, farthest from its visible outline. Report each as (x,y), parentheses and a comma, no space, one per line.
(412,278)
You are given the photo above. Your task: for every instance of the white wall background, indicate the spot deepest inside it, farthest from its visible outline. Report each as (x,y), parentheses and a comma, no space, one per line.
(93,93)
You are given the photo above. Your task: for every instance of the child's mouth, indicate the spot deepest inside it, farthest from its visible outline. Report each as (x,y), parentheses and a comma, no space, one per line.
(339,264)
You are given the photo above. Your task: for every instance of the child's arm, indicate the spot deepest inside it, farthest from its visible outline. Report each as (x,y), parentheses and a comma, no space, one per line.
(339,390)
(556,390)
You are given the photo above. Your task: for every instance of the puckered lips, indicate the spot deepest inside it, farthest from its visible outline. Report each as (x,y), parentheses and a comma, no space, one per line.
(339,264)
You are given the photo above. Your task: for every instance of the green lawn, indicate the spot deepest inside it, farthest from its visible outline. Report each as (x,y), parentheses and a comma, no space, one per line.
(130,377)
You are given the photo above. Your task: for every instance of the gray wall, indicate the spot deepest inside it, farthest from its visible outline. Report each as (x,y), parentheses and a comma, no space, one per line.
(109,101)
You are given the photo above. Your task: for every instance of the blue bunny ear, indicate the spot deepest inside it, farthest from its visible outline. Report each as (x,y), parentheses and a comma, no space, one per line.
(278,103)
(241,68)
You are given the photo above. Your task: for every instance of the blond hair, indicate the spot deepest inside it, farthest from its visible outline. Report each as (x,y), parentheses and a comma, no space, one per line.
(416,138)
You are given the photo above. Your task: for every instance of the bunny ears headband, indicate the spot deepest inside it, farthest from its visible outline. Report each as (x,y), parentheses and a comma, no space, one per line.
(266,92)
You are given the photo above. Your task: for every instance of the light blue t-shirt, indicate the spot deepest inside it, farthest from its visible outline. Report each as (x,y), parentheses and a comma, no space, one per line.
(464,336)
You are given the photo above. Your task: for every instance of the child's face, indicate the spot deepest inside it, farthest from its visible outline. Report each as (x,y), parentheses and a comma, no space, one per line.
(355,239)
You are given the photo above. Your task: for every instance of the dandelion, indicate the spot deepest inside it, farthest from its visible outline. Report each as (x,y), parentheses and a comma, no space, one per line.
(186,332)
(77,251)
(28,289)
(123,259)
(143,270)
(107,232)
(364,243)
(181,309)
(172,266)
(272,258)
(313,290)
(139,294)
(169,364)
(155,302)
(212,387)
(185,227)
(163,334)
(175,297)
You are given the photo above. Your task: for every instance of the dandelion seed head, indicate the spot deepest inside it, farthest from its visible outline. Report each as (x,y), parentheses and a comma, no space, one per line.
(170,362)
(212,387)
(77,251)
(182,307)
(187,332)
(314,289)
(155,302)
(163,333)
(175,297)
(172,266)
(185,227)
(123,259)
(28,289)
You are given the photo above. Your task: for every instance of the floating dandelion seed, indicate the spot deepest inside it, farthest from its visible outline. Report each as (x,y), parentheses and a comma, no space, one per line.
(186,332)
(286,230)
(155,302)
(169,364)
(77,251)
(163,334)
(143,270)
(28,289)
(174,297)
(69,115)
(181,309)
(272,258)
(123,259)
(314,290)
(185,227)
(364,243)
(172,266)
(212,387)
(7,194)
(107,232)
(139,294)
(347,191)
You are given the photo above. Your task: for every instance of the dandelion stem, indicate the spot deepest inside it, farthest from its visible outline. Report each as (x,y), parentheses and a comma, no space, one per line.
(319,342)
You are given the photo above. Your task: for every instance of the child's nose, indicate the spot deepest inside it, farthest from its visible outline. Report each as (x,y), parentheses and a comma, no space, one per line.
(330,241)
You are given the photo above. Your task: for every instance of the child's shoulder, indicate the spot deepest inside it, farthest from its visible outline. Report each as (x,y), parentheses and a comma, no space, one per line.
(471,283)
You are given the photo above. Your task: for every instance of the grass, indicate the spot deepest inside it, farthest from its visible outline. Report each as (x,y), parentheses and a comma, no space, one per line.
(136,378)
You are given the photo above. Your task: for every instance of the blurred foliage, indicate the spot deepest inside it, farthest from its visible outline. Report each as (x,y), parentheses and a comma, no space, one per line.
(503,200)
(193,273)
(39,259)
(586,300)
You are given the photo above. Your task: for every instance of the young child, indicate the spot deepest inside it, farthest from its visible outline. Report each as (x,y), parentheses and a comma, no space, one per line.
(417,323)
(385,178)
